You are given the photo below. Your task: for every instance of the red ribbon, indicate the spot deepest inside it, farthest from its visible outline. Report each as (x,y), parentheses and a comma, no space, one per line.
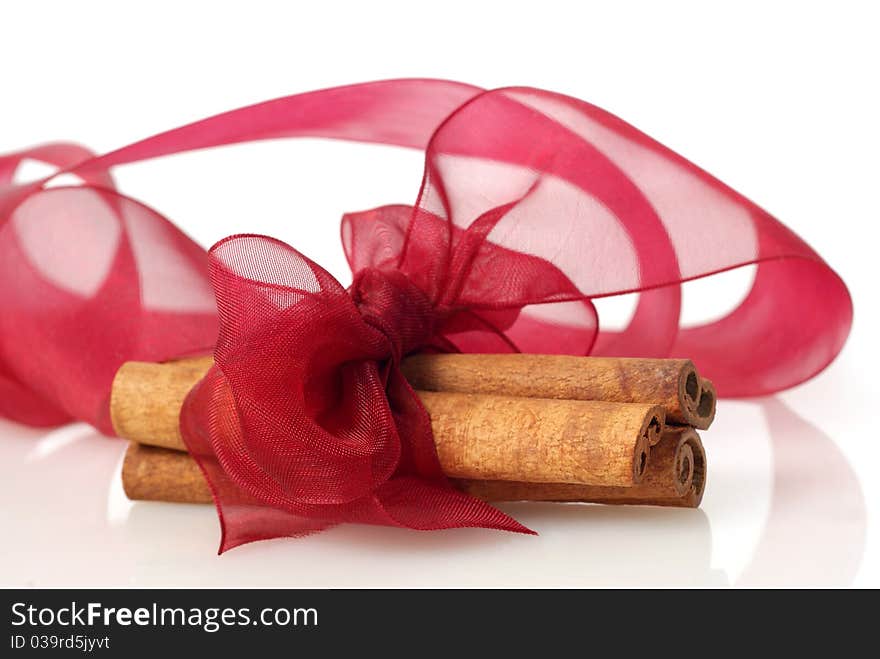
(532,204)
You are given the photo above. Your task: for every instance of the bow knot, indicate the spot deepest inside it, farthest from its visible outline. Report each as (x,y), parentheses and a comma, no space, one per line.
(396,307)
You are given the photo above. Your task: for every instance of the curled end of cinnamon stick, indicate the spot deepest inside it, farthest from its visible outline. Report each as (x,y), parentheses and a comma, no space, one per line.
(693,493)
(697,396)
(684,469)
(706,404)
(689,466)
(654,429)
(649,435)
(689,388)
(640,461)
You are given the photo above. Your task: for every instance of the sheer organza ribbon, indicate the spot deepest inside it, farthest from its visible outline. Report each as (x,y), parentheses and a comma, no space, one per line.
(532,204)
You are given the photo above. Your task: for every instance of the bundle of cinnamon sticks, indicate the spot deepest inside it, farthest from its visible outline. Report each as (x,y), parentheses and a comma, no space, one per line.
(506,427)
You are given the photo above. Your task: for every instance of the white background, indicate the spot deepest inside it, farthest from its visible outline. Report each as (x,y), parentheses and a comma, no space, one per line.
(778,100)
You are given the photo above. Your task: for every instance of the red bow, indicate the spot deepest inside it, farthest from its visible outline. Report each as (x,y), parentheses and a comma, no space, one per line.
(532,205)
(306,411)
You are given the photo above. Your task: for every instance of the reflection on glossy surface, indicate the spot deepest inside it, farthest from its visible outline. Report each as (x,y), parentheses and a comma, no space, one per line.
(580,546)
(815,532)
(67,522)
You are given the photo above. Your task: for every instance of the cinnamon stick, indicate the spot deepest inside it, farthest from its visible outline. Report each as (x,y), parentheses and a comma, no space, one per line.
(676,476)
(146,399)
(542,440)
(477,436)
(673,383)
(150,473)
